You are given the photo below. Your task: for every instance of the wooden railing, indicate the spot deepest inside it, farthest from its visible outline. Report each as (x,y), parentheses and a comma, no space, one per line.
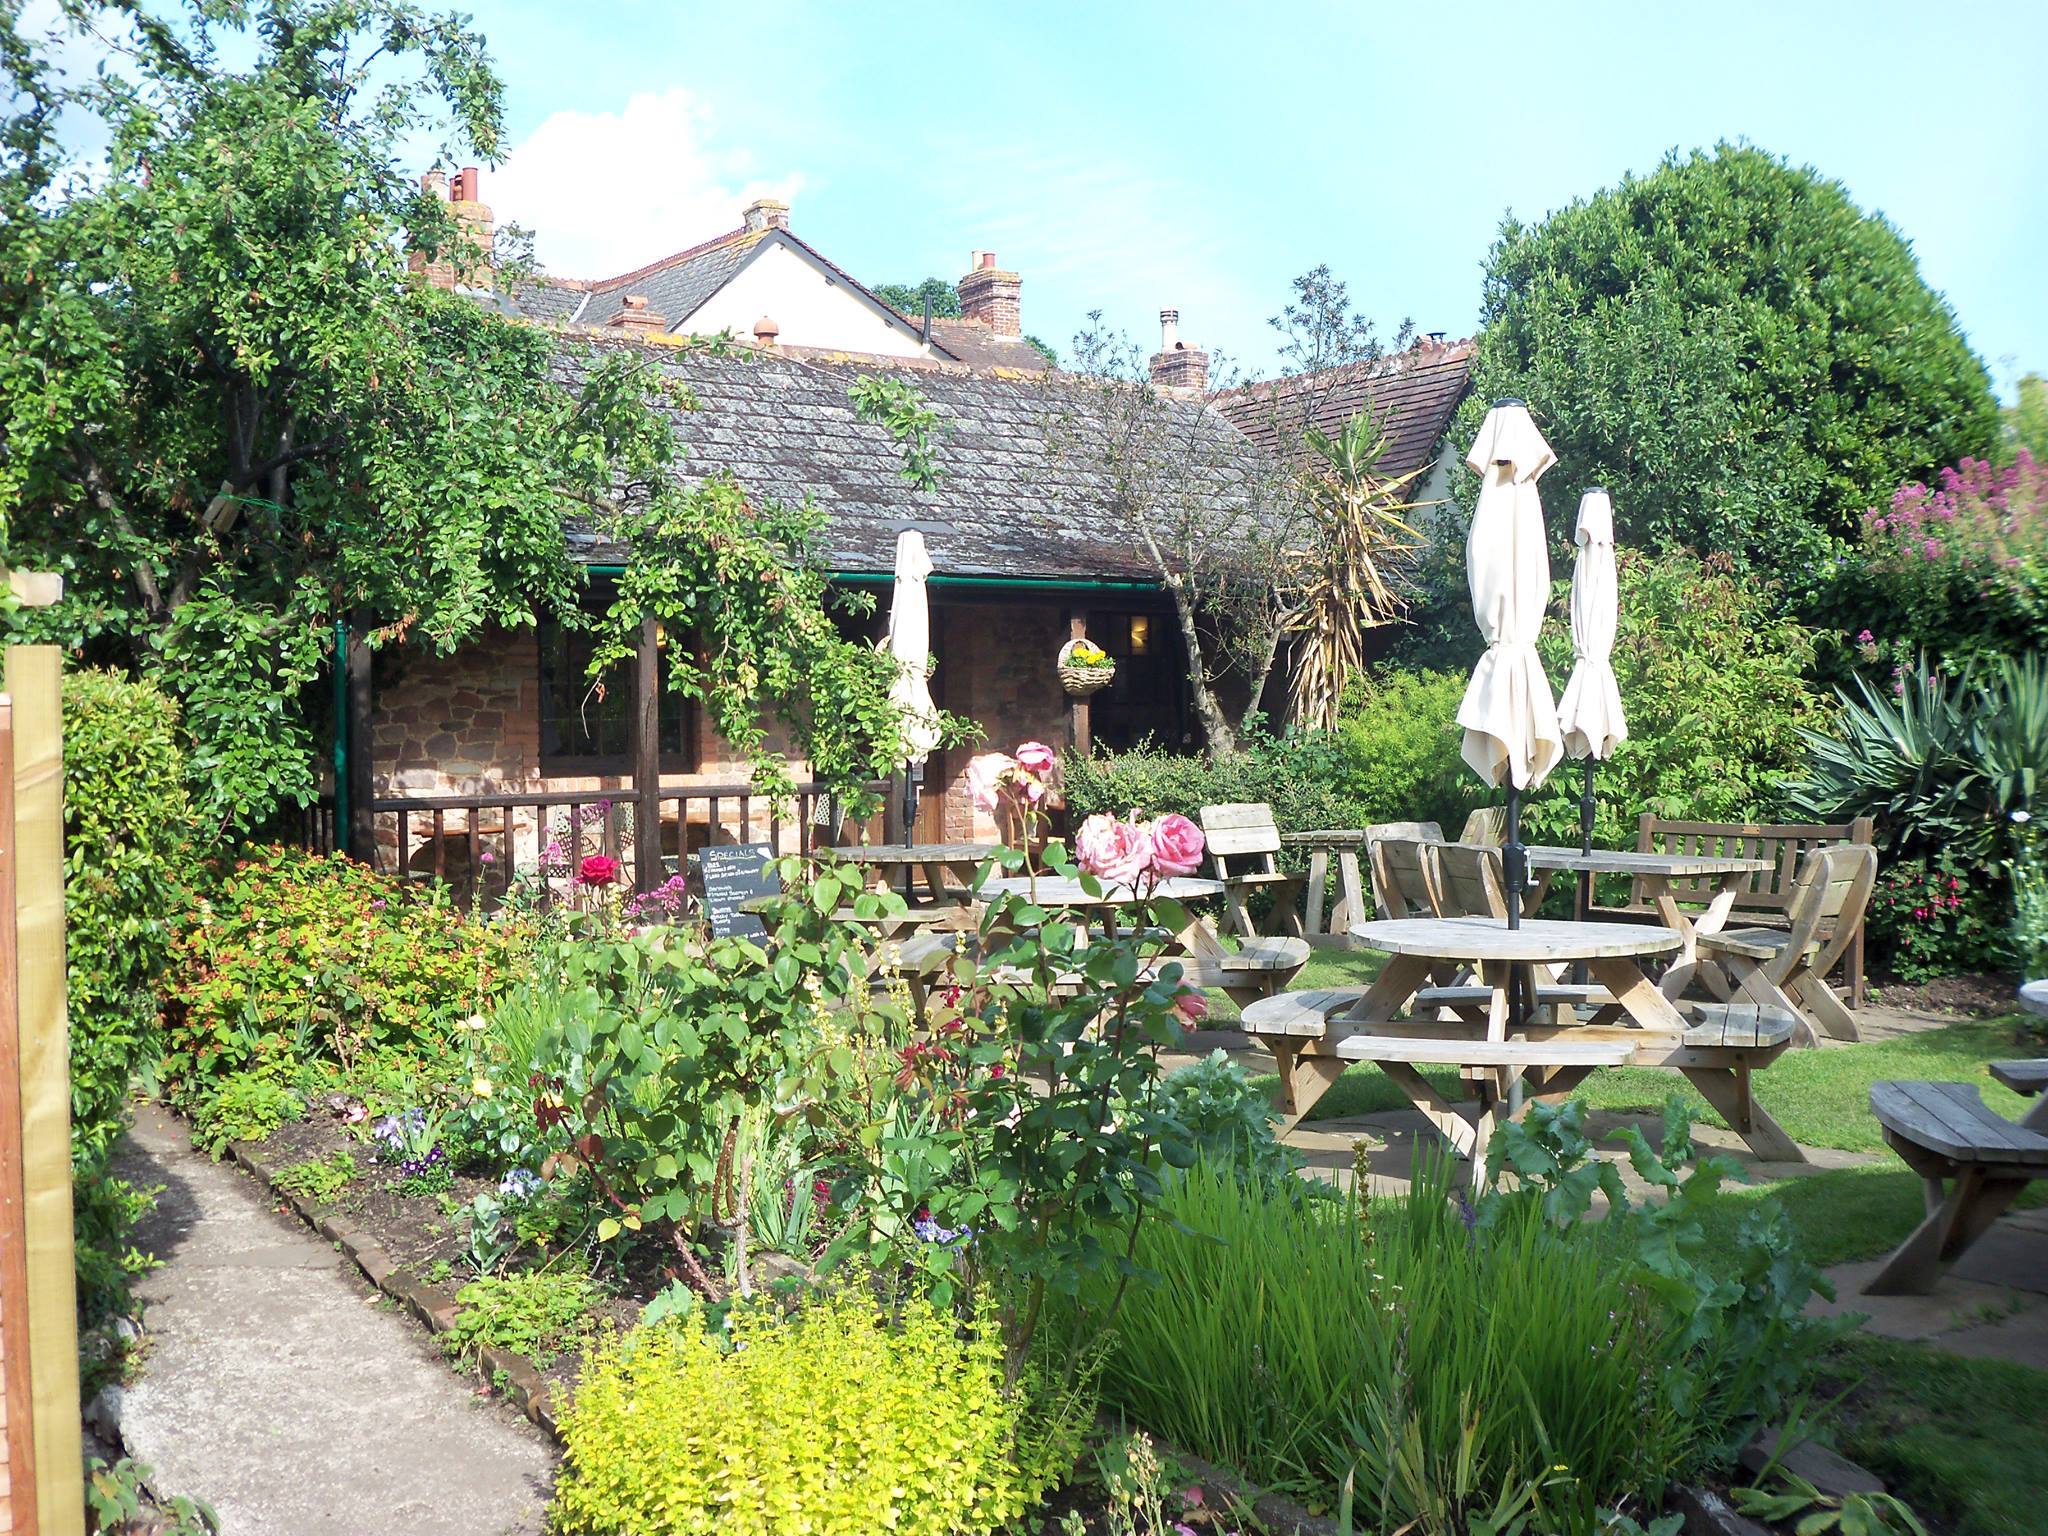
(480,845)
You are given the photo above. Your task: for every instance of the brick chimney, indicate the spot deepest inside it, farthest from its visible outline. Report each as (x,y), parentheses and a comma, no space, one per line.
(1177,365)
(635,317)
(992,296)
(767,213)
(473,220)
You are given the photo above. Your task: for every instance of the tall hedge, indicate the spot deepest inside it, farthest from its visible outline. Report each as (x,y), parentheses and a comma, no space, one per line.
(127,832)
(1744,357)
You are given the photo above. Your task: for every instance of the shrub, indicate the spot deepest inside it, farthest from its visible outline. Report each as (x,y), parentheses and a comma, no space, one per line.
(1227,1120)
(835,1422)
(1937,916)
(127,826)
(1400,760)
(1298,774)
(538,1314)
(245,1106)
(291,954)
(1957,570)
(1740,354)
(1713,679)
(318,1178)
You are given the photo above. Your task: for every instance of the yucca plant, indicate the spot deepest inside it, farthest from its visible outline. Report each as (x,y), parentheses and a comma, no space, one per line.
(1944,764)
(1360,533)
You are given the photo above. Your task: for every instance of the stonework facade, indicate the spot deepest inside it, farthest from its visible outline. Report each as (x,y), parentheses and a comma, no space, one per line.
(469,724)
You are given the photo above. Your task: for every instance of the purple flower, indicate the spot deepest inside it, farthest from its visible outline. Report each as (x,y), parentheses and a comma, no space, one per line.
(929,1231)
(519,1184)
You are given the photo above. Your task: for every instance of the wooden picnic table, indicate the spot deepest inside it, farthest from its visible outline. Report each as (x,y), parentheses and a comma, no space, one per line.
(934,861)
(2028,1079)
(1256,969)
(1351,903)
(2034,997)
(1315,1035)
(1654,872)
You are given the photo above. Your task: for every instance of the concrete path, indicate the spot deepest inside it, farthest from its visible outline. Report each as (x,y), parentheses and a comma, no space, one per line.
(278,1388)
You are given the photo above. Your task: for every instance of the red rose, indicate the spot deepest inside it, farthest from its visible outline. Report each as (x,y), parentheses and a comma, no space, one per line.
(598,869)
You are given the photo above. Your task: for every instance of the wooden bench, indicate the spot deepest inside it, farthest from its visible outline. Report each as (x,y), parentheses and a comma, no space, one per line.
(1244,845)
(1767,898)
(1253,972)
(1973,1162)
(2028,1079)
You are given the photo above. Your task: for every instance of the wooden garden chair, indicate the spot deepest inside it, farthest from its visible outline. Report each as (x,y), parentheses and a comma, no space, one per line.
(1405,832)
(1400,874)
(1488,824)
(1244,845)
(1787,968)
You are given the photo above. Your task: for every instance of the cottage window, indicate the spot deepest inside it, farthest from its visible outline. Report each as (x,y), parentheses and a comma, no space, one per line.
(585,729)
(1147,701)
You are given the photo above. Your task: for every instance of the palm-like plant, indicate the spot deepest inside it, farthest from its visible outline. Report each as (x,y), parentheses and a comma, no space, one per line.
(1949,762)
(1359,534)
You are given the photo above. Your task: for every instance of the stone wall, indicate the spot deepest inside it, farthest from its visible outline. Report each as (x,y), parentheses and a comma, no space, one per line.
(469,724)
(996,667)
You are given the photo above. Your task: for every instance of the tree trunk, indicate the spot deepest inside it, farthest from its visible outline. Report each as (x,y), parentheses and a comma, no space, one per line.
(1216,729)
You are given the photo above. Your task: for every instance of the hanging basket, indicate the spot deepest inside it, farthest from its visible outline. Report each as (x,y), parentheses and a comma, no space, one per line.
(1081,680)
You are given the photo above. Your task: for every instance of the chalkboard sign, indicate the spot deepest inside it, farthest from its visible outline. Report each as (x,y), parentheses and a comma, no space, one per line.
(734,874)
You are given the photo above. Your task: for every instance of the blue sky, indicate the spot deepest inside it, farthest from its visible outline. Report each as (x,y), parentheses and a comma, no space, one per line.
(1131,156)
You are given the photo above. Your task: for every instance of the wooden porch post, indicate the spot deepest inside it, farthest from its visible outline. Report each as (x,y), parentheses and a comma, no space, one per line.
(1077,708)
(647,868)
(359,837)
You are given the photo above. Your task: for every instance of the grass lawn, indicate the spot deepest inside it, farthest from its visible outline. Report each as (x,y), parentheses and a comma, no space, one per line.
(1963,1441)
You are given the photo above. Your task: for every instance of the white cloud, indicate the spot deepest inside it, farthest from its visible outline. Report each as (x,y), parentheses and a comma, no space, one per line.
(606,192)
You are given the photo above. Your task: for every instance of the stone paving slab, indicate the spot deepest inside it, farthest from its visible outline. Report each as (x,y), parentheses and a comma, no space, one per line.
(279,1389)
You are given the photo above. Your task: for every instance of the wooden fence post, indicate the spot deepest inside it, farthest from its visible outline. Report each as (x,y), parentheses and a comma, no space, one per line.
(18,1502)
(35,683)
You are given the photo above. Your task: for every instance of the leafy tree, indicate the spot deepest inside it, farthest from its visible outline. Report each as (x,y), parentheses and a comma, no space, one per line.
(232,416)
(1208,514)
(910,299)
(1733,348)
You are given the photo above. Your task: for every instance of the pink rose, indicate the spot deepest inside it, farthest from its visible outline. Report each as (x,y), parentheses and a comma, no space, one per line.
(1113,851)
(1036,757)
(598,870)
(1191,1005)
(1177,845)
(987,778)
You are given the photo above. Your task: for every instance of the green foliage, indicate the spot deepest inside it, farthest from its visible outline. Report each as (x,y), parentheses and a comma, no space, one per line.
(910,299)
(117,1499)
(1228,1121)
(1458,1363)
(661,1040)
(245,1106)
(996,1144)
(1401,738)
(540,1314)
(1300,774)
(1956,569)
(127,823)
(900,406)
(292,955)
(1793,1498)
(835,1421)
(1948,764)
(318,1178)
(1735,350)
(1713,680)
(2026,420)
(1937,916)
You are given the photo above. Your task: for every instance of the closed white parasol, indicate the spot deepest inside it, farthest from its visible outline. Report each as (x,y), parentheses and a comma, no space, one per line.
(1509,716)
(910,641)
(1590,713)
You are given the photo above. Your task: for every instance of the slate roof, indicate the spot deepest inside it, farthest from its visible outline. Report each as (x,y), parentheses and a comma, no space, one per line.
(1009,506)
(1413,393)
(971,342)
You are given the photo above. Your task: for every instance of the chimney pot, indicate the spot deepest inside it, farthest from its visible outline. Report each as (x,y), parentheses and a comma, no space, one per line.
(992,297)
(635,315)
(1177,365)
(766,330)
(435,182)
(767,213)
(463,190)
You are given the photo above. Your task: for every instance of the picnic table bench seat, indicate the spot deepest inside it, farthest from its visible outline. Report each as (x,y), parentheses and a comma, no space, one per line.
(1756,943)
(1464,1051)
(2025,1078)
(1973,1162)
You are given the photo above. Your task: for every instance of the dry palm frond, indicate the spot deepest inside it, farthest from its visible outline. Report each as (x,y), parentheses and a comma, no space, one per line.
(1360,530)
